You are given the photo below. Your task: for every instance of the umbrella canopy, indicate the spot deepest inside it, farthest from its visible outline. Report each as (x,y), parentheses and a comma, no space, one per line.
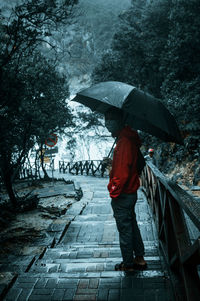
(141,110)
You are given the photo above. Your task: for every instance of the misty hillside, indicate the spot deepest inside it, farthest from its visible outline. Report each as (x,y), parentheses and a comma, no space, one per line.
(90,34)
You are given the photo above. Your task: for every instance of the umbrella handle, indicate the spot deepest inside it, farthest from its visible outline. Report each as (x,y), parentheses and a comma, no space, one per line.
(112,148)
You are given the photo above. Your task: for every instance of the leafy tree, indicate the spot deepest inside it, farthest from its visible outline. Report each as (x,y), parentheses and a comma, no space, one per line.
(181,69)
(40,110)
(156,48)
(137,46)
(30,25)
(32,92)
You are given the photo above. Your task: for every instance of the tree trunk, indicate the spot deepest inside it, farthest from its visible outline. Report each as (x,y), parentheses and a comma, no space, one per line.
(42,164)
(37,165)
(6,171)
(9,187)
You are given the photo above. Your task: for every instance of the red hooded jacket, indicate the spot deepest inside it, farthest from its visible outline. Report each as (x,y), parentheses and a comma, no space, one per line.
(123,176)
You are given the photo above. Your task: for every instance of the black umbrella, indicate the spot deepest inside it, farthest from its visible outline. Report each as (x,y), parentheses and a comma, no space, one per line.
(141,110)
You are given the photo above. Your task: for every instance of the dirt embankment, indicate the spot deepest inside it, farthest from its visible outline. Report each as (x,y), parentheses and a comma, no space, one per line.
(186,174)
(39,206)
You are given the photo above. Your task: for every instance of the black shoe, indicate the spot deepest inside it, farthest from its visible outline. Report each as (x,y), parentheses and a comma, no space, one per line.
(122,267)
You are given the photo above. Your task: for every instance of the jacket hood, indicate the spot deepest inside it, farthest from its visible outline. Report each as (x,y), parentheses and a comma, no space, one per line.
(129,133)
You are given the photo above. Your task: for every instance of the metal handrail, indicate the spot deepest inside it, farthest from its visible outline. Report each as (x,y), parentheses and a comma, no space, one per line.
(169,202)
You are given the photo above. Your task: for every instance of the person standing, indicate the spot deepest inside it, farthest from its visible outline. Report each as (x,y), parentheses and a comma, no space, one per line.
(150,157)
(123,185)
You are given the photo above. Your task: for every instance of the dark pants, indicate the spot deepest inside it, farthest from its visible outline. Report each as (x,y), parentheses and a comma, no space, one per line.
(129,234)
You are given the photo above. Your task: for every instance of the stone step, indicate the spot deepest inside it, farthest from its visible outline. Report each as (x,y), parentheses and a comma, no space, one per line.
(111,245)
(98,182)
(92,217)
(110,278)
(97,208)
(79,267)
(92,252)
(85,265)
(140,196)
(85,259)
(102,187)
(158,276)
(96,233)
(87,286)
(76,257)
(77,224)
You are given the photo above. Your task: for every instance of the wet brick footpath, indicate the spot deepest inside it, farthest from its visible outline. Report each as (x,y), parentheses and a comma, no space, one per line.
(80,265)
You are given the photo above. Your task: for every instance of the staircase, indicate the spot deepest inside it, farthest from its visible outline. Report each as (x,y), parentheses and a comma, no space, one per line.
(81,265)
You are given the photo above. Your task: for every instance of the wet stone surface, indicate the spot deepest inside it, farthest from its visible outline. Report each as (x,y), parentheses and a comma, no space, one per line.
(80,265)
(27,235)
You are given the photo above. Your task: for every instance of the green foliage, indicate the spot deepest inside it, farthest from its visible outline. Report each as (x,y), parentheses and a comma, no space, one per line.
(156,48)
(32,92)
(137,46)
(181,65)
(30,25)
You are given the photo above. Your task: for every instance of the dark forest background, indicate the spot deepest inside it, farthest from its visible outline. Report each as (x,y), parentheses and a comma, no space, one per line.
(157,48)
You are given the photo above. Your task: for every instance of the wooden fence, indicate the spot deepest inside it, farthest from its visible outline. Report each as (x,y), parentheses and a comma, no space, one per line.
(170,205)
(87,167)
